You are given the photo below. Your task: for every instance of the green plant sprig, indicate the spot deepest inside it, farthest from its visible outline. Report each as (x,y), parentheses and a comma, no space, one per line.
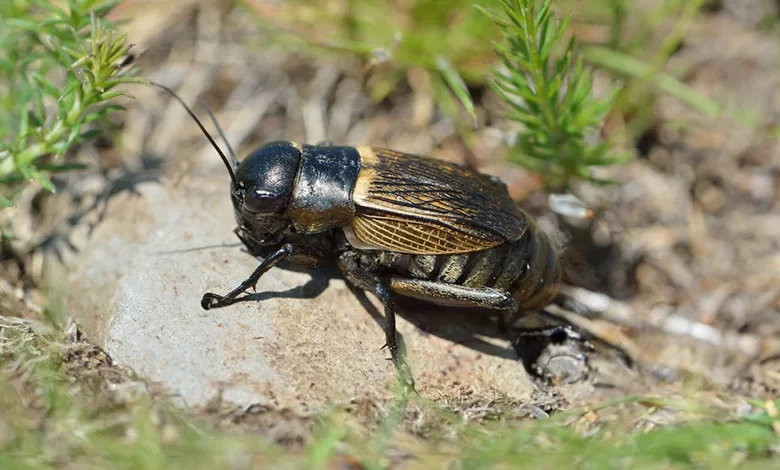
(60,66)
(550,96)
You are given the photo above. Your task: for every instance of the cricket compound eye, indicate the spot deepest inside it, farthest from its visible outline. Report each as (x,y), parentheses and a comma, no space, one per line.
(260,201)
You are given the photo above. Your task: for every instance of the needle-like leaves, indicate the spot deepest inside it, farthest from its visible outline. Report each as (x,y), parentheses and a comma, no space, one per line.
(59,64)
(548,92)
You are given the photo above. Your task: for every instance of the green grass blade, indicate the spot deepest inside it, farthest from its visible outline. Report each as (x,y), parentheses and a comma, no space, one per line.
(457,85)
(635,68)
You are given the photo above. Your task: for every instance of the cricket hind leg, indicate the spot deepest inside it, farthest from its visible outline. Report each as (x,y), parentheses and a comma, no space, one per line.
(453,295)
(529,343)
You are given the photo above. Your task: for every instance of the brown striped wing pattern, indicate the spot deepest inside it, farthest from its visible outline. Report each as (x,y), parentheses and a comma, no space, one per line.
(420,205)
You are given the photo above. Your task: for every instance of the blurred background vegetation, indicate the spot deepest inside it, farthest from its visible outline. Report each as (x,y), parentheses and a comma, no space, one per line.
(576,83)
(453,47)
(61,66)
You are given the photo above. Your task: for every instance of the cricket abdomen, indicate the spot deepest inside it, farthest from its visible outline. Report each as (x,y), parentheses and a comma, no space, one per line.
(528,268)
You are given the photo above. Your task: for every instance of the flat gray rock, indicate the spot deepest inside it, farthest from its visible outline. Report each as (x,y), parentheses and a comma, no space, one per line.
(304,340)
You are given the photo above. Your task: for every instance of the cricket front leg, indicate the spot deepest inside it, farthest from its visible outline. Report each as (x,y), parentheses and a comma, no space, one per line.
(288,250)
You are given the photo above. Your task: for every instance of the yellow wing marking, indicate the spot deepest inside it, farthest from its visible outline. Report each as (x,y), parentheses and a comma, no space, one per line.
(415,237)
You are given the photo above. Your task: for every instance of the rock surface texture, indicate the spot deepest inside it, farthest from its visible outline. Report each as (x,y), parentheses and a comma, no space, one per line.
(304,340)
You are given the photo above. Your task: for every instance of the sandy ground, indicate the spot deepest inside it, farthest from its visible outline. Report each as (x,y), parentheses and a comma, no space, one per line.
(687,247)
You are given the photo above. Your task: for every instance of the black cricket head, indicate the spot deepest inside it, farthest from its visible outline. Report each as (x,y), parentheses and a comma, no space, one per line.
(261,185)
(263,189)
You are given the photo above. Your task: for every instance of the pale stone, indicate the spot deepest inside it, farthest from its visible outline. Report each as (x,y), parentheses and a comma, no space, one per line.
(305,341)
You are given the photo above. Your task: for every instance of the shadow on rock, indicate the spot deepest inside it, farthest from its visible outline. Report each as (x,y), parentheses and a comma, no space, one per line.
(92,202)
(474,328)
(320,280)
(463,326)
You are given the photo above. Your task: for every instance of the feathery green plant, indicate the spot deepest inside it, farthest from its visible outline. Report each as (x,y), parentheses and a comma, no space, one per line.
(58,68)
(550,96)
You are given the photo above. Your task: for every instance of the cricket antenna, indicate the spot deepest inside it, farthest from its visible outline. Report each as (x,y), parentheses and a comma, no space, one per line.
(205,132)
(234,160)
